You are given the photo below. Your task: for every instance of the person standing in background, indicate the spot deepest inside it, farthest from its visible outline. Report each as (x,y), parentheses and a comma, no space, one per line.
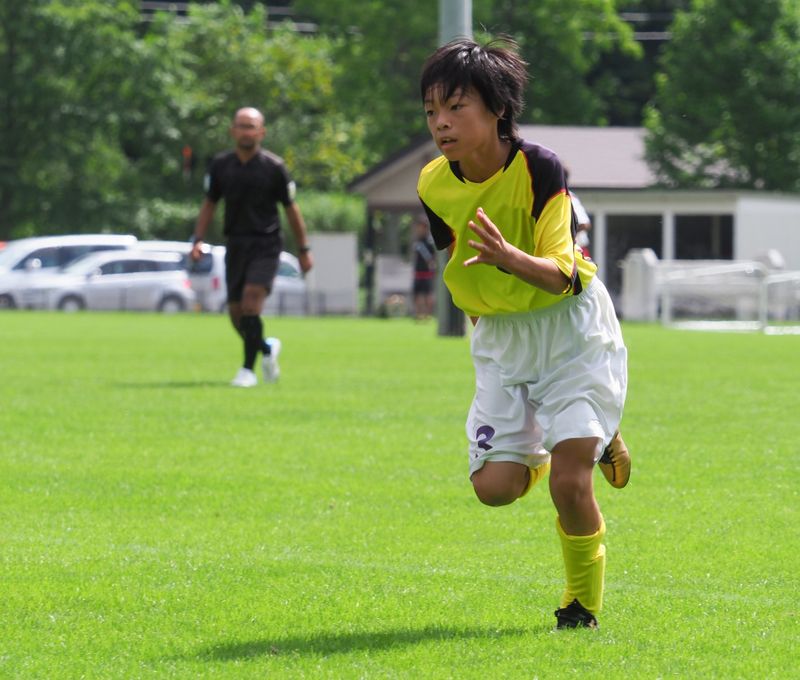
(584,223)
(424,269)
(252,181)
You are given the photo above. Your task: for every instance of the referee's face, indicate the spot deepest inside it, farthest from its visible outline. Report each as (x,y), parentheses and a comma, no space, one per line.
(247,129)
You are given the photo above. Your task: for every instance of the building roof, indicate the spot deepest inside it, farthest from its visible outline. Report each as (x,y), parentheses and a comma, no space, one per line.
(596,157)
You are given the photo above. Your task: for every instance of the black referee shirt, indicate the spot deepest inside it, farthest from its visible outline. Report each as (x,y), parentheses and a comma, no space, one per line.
(251,191)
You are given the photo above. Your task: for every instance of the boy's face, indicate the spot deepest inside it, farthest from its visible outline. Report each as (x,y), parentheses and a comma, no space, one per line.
(462,124)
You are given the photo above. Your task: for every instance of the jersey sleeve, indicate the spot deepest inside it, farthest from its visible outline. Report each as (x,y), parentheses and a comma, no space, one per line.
(554,219)
(213,185)
(287,190)
(553,235)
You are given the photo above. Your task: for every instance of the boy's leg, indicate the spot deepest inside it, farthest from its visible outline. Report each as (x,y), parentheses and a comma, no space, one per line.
(580,525)
(536,475)
(584,564)
(503,482)
(251,327)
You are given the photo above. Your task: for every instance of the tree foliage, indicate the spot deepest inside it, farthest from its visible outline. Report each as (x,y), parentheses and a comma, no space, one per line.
(230,59)
(97,109)
(563,41)
(382,46)
(85,131)
(625,82)
(727,110)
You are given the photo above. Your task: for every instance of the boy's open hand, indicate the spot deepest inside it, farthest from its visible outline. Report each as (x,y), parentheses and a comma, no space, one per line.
(492,248)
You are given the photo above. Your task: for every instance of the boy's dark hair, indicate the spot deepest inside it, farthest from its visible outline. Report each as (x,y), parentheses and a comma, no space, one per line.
(495,70)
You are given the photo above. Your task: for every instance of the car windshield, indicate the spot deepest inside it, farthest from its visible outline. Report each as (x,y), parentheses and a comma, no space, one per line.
(288,270)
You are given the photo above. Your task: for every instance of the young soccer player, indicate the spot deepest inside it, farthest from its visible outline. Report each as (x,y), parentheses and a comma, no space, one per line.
(550,363)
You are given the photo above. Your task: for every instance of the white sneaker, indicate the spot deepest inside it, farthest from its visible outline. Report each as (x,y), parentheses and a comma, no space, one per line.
(245,378)
(269,362)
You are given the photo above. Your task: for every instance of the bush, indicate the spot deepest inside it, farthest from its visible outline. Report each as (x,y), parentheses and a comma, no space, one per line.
(323,212)
(338,212)
(160,219)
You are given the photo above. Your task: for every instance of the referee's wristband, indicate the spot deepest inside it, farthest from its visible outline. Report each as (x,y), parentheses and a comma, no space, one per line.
(304,249)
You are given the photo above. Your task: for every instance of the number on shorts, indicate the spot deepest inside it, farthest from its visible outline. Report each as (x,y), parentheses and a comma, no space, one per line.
(483,435)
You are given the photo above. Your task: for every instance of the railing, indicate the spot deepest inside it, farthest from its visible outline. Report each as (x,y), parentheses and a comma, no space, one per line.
(736,281)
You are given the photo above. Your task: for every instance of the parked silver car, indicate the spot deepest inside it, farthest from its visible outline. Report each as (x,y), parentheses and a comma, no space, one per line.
(118,280)
(22,260)
(207,275)
(289,289)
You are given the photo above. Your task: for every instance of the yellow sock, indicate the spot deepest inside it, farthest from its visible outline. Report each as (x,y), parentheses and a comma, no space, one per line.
(585,566)
(536,474)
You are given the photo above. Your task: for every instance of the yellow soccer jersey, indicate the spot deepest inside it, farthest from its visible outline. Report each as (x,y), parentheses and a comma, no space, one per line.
(529,202)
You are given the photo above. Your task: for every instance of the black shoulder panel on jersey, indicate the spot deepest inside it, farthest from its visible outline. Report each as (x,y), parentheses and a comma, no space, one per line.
(547,175)
(442,234)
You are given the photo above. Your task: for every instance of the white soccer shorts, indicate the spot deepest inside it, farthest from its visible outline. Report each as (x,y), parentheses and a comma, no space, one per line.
(545,376)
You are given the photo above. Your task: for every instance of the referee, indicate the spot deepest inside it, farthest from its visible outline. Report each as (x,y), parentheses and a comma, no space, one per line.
(252,181)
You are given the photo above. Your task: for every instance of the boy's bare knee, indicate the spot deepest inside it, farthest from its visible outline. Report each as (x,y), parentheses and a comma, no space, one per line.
(493,497)
(498,484)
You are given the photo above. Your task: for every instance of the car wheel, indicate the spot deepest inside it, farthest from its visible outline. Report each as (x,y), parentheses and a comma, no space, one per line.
(7,302)
(171,304)
(71,303)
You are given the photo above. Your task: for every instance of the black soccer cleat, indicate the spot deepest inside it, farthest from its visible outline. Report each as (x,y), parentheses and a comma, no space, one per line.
(575,615)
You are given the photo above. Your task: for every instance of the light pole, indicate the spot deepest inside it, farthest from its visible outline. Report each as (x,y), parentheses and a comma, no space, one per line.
(455,21)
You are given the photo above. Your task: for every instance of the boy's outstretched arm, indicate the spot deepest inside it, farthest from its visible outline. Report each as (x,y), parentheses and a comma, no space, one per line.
(493,249)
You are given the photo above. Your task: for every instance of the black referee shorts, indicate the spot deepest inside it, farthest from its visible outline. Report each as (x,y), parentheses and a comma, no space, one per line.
(250,260)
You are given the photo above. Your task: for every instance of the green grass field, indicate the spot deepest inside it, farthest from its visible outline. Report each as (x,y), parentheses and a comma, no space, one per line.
(158,523)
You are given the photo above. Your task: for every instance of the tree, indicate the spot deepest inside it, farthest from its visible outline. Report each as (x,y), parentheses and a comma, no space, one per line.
(16,69)
(727,109)
(382,45)
(98,108)
(80,95)
(628,81)
(229,58)
(563,41)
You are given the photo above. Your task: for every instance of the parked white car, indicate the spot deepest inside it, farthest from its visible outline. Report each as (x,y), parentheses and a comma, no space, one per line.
(207,275)
(24,259)
(119,280)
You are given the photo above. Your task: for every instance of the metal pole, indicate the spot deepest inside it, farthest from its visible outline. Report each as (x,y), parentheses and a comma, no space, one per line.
(455,21)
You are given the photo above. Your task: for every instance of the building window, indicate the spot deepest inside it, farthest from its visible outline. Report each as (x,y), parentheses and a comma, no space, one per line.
(704,237)
(624,232)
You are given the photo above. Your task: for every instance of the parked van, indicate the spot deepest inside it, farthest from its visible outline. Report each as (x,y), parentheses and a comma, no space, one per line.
(24,258)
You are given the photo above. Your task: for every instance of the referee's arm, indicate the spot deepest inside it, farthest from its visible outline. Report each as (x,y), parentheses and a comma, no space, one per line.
(204,218)
(298,226)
